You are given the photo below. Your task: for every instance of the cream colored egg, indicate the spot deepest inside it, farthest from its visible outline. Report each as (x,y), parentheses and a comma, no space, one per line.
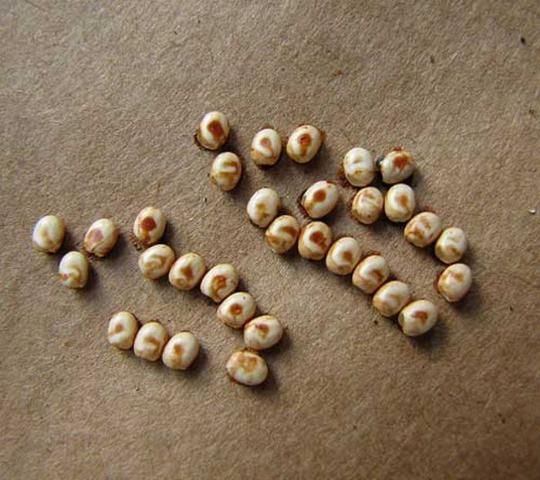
(359,167)
(181,351)
(247,368)
(220,281)
(149,226)
(451,245)
(237,309)
(418,317)
(226,171)
(314,241)
(282,234)
(399,203)
(423,229)
(262,332)
(396,166)
(213,131)
(187,271)
(367,205)
(123,327)
(391,298)
(266,147)
(455,282)
(156,261)
(320,199)
(150,340)
(343,256)
(73,270)
(371,273)
(304,143)
(48,234)
(263,207)
(101,237)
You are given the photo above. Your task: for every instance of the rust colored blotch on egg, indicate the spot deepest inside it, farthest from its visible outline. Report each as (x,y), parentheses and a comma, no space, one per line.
(305,140)
(236,309)
(153,341)
(348,256)
(232,165)
(421,315)
(289,230)
(380,275)
(148,224)
(318,238)
(265,142)
(458,276)
(401,161)
(95,236)
(178,349)
(403,201)
(216,129)
(263,329)
(119,328)
(424,221)
(187,272)
(319,196)
(248,363)
(218,283)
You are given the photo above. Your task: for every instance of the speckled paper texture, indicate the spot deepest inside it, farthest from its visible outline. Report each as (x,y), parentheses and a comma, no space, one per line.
(99,102)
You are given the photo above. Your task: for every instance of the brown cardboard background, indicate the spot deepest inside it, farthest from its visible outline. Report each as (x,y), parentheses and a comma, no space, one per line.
(99,101)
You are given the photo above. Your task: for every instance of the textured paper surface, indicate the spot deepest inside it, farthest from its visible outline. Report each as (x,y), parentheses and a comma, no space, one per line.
(99,102)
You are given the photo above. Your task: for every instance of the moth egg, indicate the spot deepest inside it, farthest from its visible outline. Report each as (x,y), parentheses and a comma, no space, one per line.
(391,298)
(156,261)
(247,368)
(149,226)
(367,205)
(396,166)
(220,281)
(213,131)
(187,271)
(314,241)
(417,318)
(123,327)
(282,234)
(455,282)
(101,237)
(304,143)
(359,167)
(73,270)
(423,229)
(262,332)
(266,147)
(399,203)
(48,234)
(149,341)
(343,256)
(371,273)
(226,171)
(237,309)
(320,199)
(451,245)
(263,207)
(180,351)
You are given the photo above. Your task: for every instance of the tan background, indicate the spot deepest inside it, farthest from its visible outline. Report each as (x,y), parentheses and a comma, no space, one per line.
(99,104)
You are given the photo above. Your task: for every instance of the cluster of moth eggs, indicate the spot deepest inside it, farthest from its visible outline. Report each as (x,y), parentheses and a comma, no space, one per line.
(267,145)
(342,257)
(219,283)
(399,205)
(152,342)
(74,268)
